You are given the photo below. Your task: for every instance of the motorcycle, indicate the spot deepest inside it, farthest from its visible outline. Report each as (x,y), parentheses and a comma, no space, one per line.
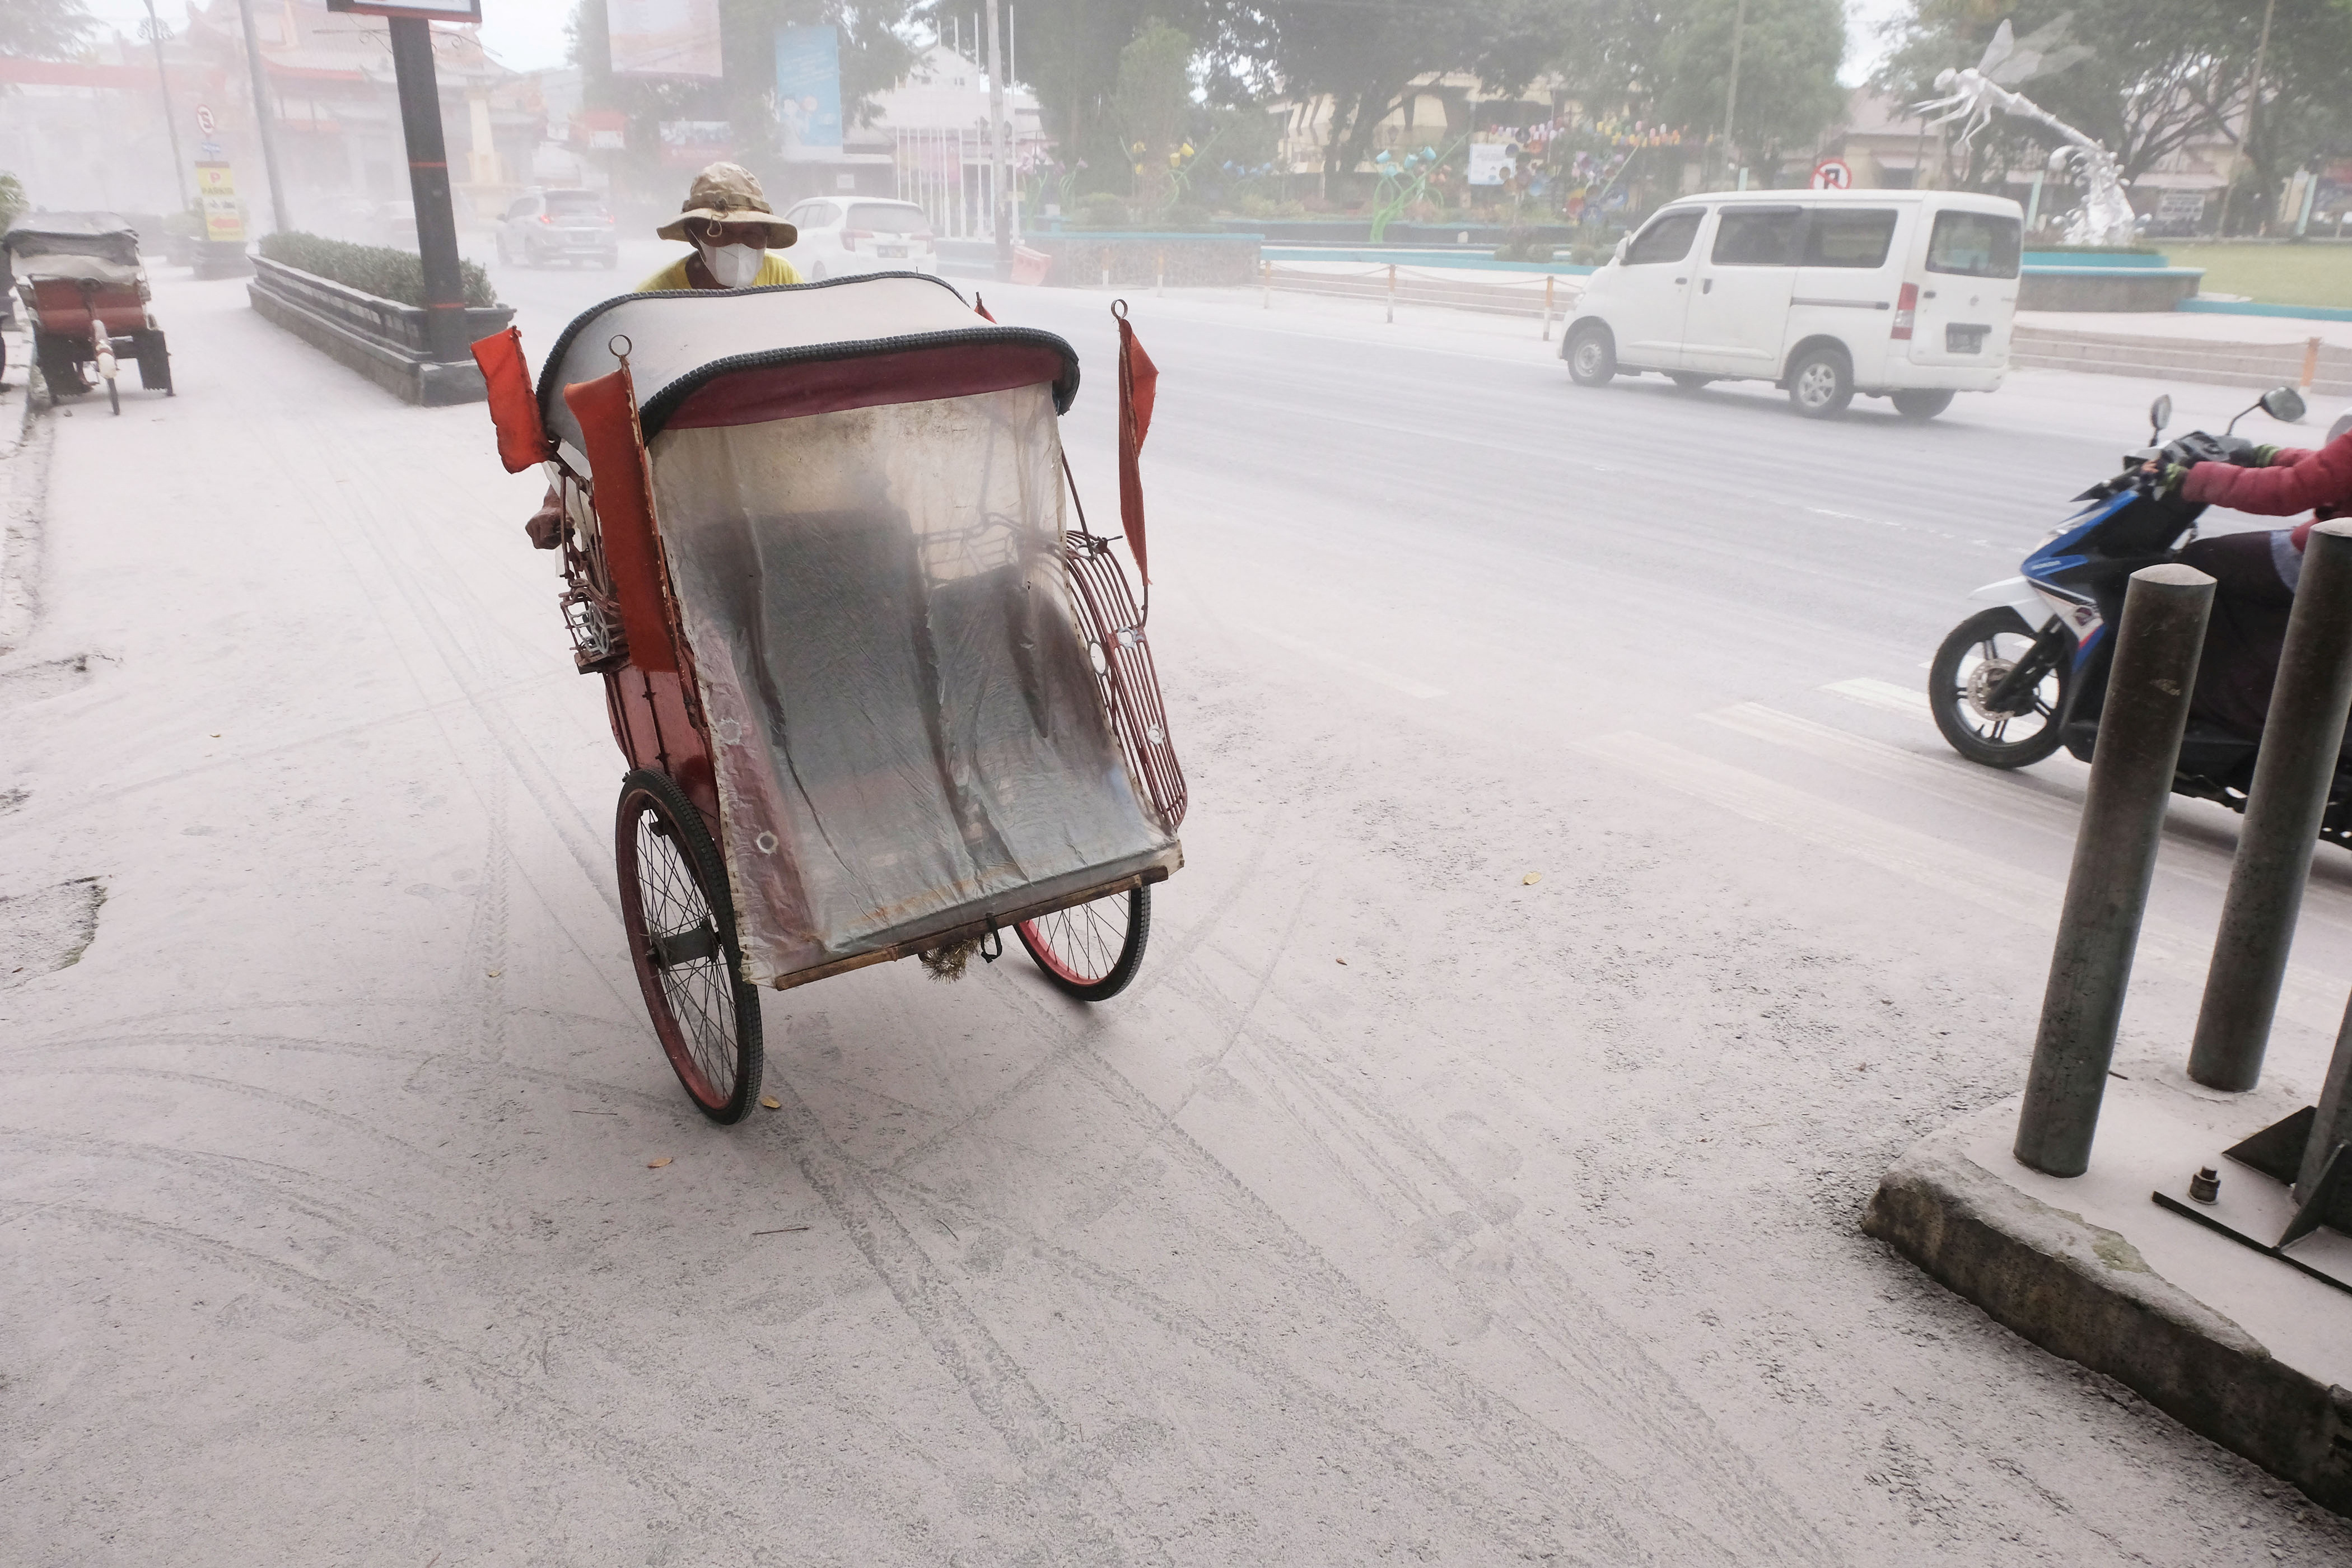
(2014,682)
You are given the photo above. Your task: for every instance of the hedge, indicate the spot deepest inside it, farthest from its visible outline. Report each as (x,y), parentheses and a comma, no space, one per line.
(377,269)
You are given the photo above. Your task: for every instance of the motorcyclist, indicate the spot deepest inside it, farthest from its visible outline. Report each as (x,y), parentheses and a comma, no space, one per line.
(2255,573)
(735,235)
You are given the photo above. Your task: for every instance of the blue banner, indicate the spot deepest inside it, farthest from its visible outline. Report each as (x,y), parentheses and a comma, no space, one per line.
(808,89)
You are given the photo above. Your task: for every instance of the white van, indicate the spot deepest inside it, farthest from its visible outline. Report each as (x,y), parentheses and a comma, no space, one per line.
(1901,294)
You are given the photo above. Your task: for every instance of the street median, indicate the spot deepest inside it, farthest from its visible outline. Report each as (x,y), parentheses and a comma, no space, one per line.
(380,339)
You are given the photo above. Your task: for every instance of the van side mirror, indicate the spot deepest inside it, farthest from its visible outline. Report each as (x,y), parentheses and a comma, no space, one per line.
(1624,244)
(2284,404)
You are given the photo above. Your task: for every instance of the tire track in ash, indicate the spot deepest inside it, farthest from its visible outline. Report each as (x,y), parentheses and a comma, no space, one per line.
(664,1106)
(610,1336)
(291,1187)
(544,786)
(1608,1363)
(1480,1507)
(590,1435)
(991,1378)
(246,1090)
(1504,1433)
(1582,1335)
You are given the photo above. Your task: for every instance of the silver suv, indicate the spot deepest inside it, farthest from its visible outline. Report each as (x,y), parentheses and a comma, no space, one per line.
(542,227)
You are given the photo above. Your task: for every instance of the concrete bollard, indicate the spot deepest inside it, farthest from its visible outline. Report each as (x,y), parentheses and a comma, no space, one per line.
(2300,741)
(2163,631)
(1547,331)
(2332,1125)
(1391,294)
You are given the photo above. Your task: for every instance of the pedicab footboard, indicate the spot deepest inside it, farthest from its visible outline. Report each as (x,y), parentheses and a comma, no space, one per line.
(1025,907)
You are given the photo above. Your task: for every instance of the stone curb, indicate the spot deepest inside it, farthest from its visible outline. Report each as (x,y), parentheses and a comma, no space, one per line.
(23,488)
(2084,1292)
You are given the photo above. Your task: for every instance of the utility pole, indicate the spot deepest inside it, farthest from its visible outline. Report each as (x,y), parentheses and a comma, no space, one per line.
(265,115)
(1000,192)
(2254,112)
(171,120)
(429,186)
(1731,92)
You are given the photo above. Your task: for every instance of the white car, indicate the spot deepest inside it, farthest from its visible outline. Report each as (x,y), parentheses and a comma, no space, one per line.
(1906,295)
(841,236)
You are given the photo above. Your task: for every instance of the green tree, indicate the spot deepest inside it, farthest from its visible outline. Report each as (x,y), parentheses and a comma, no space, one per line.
(1368,55)
(45,29)
(1070,56)
(2161,74)
(1153,105)
(1789,52)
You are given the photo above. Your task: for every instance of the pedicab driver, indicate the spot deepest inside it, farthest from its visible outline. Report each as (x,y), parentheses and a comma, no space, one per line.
(735,235)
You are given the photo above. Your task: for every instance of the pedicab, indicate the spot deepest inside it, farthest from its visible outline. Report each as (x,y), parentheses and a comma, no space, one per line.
(86,301)
(880,694)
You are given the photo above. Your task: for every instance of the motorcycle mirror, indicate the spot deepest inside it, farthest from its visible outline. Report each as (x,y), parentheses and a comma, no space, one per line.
(2159,414)
(2342,428)
(2284,404)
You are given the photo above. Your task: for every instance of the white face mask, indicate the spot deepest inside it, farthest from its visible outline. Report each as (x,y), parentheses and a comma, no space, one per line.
(734,264)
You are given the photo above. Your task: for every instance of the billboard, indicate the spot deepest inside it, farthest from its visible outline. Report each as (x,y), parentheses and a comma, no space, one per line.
(1490,162)
(808,90)
(425,10)
(693,143)
(662,37)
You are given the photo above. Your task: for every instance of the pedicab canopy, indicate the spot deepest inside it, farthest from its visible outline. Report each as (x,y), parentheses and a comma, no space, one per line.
(857,493)
(98,247)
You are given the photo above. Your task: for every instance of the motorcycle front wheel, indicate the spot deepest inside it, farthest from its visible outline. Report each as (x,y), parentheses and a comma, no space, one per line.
(1979,652)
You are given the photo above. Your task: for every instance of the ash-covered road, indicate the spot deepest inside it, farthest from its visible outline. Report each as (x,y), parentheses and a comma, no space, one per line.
(1405,1210)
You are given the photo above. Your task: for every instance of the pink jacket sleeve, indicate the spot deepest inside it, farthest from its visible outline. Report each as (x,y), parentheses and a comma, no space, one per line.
(2295,481)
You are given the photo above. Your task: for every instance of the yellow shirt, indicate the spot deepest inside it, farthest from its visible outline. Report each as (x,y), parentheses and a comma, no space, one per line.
(773,269)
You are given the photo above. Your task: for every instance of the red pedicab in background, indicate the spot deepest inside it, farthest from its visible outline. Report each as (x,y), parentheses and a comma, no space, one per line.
(876,700)
(86,301)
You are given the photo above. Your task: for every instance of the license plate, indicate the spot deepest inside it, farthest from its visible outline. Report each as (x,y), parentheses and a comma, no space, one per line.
(1965,339)
(895,251)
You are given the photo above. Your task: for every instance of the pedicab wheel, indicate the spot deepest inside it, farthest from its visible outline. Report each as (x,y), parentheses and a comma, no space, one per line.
(114,397)
(681,928)
(1091,952)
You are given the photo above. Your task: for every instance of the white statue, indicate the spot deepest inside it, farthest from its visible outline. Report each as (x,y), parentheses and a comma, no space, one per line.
(2106,216)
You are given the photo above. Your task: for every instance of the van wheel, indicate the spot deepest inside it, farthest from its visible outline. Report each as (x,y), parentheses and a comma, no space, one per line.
(1592,357)
(1689,381)
(1821,383)
(1921,405)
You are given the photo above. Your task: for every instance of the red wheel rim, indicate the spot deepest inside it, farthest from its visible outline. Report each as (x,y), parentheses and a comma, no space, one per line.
(1084,944)
(690,997)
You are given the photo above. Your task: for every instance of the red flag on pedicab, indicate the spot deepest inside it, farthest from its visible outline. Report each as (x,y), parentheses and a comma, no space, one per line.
(1138,381)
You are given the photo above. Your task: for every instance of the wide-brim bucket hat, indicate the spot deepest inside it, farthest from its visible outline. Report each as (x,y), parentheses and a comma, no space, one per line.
(729,194)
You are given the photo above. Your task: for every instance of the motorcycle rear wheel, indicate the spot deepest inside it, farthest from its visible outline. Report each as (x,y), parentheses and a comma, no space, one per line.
(1971,661)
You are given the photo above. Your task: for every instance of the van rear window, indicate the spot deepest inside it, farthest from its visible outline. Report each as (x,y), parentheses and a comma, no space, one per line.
(1772,236)
(1844,238)
(1668,238)
(1974,245)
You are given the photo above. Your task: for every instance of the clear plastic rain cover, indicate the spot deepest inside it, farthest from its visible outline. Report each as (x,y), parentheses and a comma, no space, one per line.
(903,706)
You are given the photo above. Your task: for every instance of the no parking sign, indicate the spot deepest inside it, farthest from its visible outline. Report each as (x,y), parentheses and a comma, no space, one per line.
(1833,174)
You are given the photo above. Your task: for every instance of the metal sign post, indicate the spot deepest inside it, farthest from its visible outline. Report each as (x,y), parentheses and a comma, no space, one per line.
(1000,192)
(264,116)
(429,159)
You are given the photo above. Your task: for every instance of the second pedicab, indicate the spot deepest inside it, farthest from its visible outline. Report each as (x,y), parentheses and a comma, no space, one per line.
(881,693)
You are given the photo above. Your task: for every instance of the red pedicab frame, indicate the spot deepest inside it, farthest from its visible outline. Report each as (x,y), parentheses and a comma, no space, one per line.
(622,612)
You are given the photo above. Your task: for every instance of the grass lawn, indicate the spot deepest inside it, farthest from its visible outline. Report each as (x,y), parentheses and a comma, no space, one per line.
(2273,274)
